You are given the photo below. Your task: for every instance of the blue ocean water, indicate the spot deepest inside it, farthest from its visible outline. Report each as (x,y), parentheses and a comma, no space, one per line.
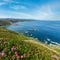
(43,30)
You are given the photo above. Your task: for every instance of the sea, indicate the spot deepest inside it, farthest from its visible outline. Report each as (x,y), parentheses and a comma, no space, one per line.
(44,31)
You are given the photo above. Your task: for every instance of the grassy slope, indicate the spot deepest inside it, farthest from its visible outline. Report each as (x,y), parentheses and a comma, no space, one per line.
(55,47)
(4,22)
(29,50)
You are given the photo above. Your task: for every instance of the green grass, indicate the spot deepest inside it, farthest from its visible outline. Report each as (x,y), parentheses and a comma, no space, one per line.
(24,50)
(57,48)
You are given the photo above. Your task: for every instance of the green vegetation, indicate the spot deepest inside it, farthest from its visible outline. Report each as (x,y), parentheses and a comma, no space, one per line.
(4,22)
(55,47)
(13,46)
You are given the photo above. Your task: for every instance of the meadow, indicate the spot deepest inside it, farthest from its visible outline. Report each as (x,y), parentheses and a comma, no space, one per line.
(13,46)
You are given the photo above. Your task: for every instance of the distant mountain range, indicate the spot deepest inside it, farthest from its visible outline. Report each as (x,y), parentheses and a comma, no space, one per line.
(9,21)
(15,19)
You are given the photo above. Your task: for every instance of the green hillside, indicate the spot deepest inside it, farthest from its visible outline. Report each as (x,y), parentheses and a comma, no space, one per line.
(3,22)
(14,46)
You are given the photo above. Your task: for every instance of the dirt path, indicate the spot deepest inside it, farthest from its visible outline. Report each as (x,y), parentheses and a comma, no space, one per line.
(36,42)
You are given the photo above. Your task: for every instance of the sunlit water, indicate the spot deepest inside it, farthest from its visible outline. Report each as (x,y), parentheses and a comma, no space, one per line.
(43,30)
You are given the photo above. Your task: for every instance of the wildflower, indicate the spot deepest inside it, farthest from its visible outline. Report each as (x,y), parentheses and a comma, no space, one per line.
(3,54)
(22,56)
(13,48)
(16,53)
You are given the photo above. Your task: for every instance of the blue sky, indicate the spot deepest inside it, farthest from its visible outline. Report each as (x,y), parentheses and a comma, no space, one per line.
(30,9)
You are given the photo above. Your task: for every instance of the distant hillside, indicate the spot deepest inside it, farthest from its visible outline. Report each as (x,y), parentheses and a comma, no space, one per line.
(5,22)
(9,21)
(14,46)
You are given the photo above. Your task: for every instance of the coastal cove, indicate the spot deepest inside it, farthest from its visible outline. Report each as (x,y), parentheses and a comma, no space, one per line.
(45,31)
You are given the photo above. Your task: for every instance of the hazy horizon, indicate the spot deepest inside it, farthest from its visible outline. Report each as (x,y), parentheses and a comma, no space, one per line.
(30,19)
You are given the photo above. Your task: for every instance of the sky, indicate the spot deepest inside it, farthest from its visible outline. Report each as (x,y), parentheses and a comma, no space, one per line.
(30,9)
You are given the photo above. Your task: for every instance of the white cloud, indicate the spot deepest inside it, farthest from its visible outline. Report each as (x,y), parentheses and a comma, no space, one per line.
(2,3)
(14,14)
(7,0)
(18,7)
(44,12)
(2,16)
(22,15)
(47,12)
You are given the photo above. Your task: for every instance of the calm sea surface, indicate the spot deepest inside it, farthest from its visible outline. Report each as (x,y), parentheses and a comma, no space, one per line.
(43,30)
